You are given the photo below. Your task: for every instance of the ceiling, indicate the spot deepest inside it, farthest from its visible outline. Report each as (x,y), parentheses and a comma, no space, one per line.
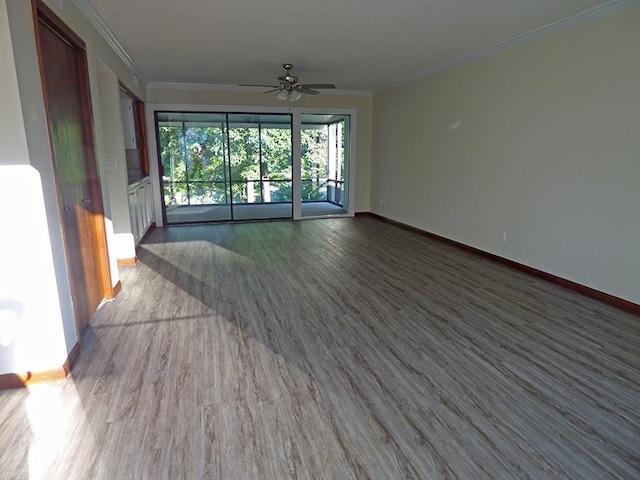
(366,45)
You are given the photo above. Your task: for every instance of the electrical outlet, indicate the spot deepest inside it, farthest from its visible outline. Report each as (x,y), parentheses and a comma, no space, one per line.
(382,203)
(503,236)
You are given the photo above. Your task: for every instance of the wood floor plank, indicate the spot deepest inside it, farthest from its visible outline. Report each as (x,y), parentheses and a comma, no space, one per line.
(333,349)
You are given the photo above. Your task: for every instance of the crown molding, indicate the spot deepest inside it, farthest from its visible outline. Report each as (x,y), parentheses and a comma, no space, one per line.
(238,88)
(564,24)
(94,18)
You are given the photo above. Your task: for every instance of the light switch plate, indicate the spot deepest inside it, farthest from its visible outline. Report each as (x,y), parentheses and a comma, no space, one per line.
(111,163)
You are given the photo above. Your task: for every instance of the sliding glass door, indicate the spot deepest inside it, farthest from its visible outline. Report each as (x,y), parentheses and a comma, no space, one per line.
(218,166)
(194,166)
(260,156)
(221,167)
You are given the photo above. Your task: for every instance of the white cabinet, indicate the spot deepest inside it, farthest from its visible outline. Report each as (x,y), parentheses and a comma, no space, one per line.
(140,208)
(129,124)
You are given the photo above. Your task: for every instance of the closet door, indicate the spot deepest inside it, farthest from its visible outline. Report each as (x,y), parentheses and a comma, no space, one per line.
(66,92)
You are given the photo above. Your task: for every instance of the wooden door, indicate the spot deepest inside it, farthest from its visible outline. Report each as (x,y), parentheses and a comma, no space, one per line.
(66,91)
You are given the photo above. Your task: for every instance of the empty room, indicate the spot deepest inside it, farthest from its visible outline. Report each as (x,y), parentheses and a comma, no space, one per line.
(319,240)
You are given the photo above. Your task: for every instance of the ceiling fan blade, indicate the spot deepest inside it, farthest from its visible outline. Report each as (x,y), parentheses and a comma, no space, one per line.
(273,90)
(255,85)
(318,85)
(308,91)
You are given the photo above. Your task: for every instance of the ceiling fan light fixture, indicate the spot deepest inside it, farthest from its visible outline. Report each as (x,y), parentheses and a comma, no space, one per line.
(288,87)
(294,96)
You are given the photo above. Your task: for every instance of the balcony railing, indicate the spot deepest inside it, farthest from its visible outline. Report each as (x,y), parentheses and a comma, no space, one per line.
(216,192)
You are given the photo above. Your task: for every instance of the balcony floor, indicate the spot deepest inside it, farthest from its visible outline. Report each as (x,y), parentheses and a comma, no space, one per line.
(256,211)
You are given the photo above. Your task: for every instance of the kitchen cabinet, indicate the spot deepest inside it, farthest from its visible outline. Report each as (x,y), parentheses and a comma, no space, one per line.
(141,208)
(129,124)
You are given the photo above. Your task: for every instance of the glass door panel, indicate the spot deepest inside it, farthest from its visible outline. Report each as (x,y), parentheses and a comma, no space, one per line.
(195,173)
(244,156)
(324,155)
(260,165)
(276,166)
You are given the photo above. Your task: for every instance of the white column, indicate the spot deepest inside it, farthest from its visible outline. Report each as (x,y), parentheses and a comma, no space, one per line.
(250,193)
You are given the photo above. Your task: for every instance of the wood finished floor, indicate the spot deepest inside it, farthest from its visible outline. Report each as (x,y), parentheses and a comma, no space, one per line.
(333,349)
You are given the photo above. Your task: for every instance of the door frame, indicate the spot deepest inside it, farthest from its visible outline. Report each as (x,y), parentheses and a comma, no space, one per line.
(296,112)
(97,229)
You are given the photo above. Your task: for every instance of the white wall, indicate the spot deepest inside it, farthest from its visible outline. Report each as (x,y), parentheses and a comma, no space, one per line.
(121,241)
(361,103)
(33,336)
(13,140)
(541,140)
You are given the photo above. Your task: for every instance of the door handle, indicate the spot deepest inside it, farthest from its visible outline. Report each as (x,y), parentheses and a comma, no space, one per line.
(86,200)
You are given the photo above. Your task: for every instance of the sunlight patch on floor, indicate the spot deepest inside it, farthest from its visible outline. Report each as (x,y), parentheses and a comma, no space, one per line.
(53,419)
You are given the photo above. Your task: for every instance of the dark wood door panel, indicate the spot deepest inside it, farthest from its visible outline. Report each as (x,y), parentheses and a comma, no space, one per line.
(66,92)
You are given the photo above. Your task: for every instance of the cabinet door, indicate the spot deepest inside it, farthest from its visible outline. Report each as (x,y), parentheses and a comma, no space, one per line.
(140,209)
(149,203)
(129,125)
(134,213)
(142,206)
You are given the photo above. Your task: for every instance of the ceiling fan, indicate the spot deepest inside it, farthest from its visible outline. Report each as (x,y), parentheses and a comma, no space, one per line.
(290,89)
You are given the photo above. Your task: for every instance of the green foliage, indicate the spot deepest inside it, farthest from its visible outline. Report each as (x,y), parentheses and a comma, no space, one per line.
(197,170)
(314,164)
